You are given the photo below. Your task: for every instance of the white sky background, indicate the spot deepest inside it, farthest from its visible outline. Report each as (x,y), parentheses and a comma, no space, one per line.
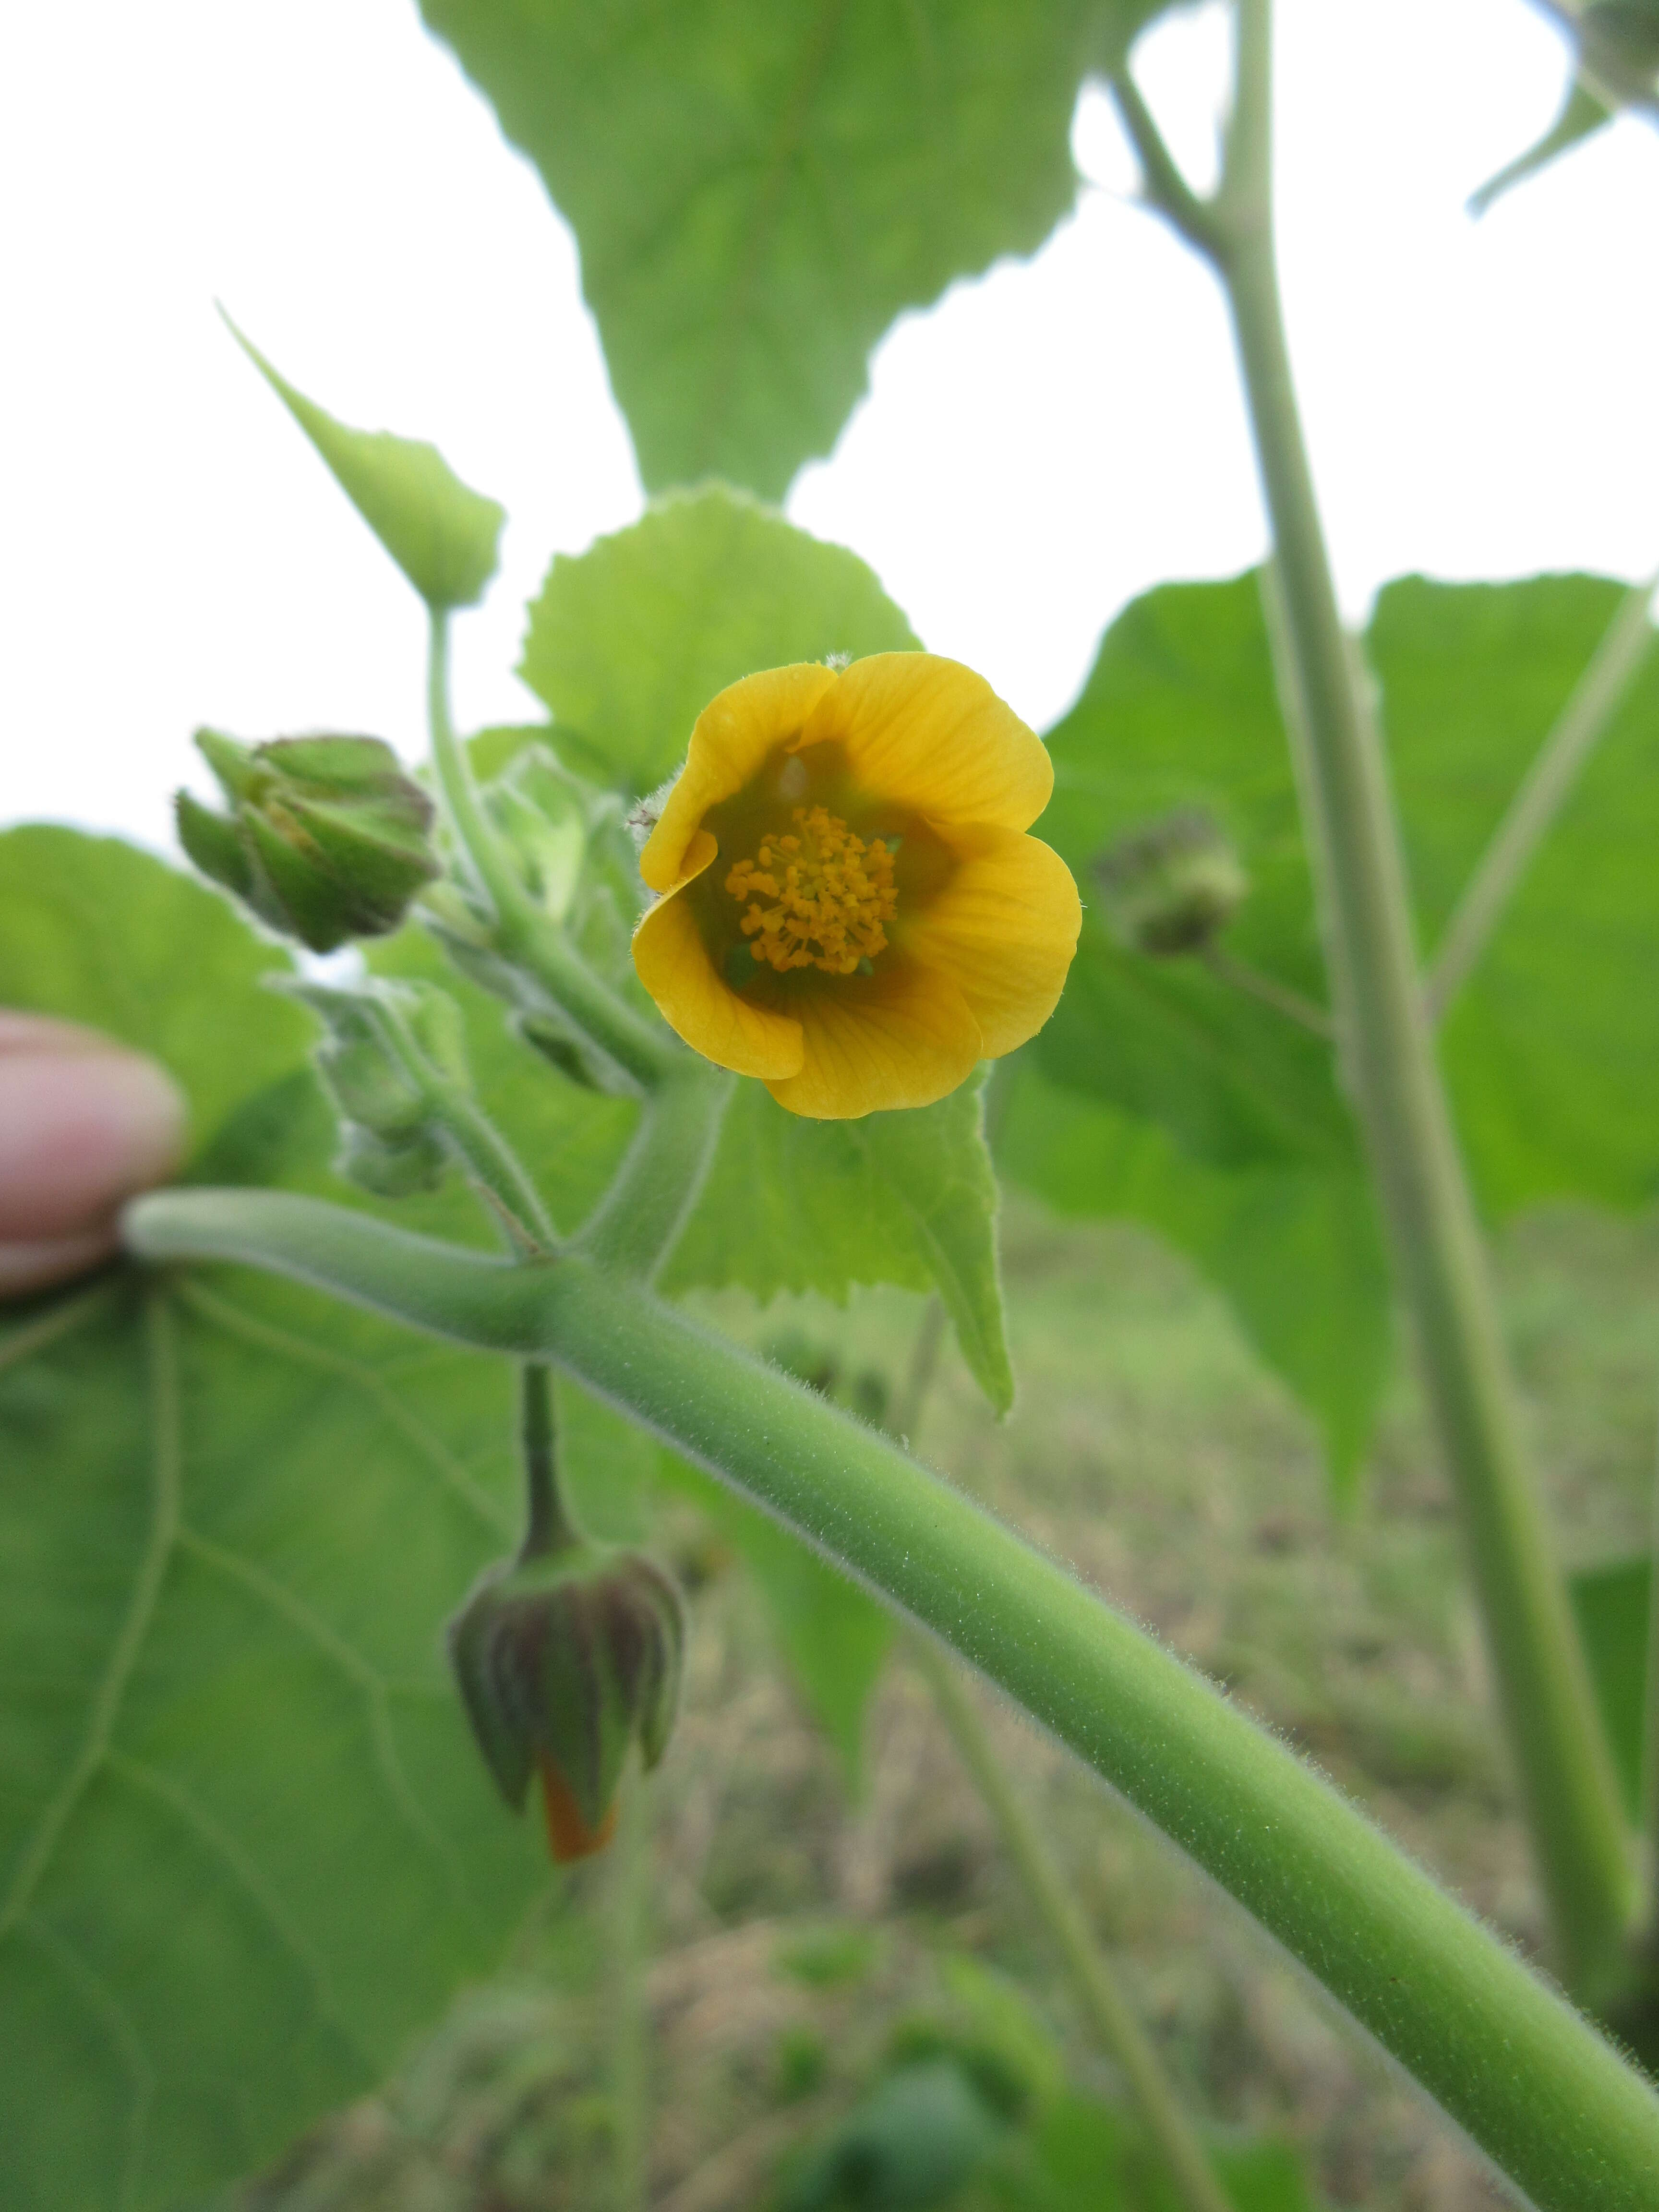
(1048,442)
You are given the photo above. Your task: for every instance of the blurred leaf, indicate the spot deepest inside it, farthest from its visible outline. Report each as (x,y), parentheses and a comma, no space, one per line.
(913,2142)
(1551,1048)
(1226,1129)
(835,1637)
(441,534)
(1610,1604)
(905,1197)
(97,932)
(757,191)
(630,640)
(1581,113)
(246,1847)
(1264,2177)
(1076,2159)
(1295,1250)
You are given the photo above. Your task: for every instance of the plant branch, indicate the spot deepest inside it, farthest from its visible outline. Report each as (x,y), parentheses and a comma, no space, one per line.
(637,1223)
(494,1168)
(1553,1727)
(642,1053)
(1523,2075)
(1163,186)
(1227,968)
(1544,790)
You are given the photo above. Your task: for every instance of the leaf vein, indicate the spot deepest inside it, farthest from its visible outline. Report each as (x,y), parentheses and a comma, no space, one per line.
(98,1999)
(141,1610)
(223,1849)
(210,1307)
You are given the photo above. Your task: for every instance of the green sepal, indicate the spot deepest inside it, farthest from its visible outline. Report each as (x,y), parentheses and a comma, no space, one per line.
(327,838)
(568,1658)
(443,535)
(212,844)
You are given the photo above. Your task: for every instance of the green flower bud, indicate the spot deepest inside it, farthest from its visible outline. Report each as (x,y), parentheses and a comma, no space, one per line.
(382,1044)
(1619,42)
(564,1659)
(1172,887)
(326,839)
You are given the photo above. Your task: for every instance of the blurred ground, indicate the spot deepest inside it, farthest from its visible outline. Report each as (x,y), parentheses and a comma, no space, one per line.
(794,1933)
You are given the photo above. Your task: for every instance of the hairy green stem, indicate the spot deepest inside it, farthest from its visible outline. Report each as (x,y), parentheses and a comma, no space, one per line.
(643,1054)
(548,1525)
(1514,2065)
(491,1165)
(636,1224)
(1544,790)
(1553,1727)
(1110,2017)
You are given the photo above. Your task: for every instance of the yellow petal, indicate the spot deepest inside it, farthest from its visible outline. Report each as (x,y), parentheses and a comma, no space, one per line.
(734,734)
(902,1037)
(929,734)
(672,963)
(1003,929)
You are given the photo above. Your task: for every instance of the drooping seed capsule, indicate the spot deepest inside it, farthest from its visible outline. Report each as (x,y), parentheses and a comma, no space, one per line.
(1172,887)
(564,1661)
(327,838)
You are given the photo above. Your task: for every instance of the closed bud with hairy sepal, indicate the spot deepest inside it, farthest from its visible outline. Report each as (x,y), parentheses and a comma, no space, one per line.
(382,1045)
(327,838)
(1172,887)
(564,1660)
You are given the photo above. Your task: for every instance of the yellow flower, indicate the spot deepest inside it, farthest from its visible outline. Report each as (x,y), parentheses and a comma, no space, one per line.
(850,908)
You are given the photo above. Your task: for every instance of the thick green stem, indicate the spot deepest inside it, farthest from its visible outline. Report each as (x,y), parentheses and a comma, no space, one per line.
(1102,2003)
(641,1054)
(637,1222)
(1555,1734)
(1528,2079)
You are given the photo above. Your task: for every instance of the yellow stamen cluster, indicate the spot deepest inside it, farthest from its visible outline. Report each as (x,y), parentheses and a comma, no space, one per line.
(826,894)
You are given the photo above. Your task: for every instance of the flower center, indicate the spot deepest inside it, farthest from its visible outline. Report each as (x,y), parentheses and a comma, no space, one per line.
(818,896)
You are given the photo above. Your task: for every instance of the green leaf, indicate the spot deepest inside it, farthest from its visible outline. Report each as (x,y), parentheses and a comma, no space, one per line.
(1582,114)
(246,1847)
(1610,1604)
(1295,1249)
(441,534)
(629,641)
(907,1198)
(757,191)
(1551,1048)
(97,932)
(834,1636)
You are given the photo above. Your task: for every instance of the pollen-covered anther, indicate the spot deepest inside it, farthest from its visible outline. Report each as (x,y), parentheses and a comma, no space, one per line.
(818,896)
